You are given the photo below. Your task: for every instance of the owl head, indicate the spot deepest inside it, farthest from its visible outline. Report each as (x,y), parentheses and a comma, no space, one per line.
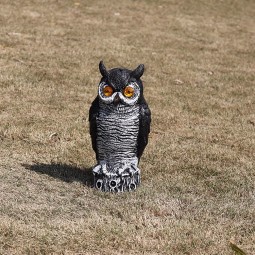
(120,85)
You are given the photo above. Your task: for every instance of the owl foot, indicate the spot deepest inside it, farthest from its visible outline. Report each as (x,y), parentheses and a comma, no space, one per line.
(125,178)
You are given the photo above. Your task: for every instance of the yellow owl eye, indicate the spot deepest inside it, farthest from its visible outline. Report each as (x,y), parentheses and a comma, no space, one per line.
(128,91)
(108,91)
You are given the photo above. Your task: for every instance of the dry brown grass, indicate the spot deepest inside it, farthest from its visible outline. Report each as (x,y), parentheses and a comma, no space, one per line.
(197,191)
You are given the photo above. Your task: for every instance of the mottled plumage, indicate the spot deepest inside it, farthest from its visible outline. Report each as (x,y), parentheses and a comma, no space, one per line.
(119,128)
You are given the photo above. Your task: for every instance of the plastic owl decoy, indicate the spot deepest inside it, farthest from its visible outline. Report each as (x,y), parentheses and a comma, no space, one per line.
(119,127)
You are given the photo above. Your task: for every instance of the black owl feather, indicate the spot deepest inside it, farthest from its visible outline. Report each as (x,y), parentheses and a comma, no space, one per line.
(144,127)
(93,113)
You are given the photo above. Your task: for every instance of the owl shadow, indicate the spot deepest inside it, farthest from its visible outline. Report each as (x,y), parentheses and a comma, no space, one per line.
(63,172)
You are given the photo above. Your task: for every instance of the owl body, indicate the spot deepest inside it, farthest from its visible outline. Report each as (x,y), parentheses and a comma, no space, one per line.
(119,128)
(117,132)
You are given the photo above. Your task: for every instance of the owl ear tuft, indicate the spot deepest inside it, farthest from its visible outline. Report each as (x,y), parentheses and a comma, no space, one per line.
(138,72)
(102,69)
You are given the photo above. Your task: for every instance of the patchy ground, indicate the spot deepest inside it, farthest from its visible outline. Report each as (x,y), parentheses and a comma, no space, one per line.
(197,191)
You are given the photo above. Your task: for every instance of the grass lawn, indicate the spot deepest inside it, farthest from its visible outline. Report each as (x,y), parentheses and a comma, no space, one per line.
(198,171)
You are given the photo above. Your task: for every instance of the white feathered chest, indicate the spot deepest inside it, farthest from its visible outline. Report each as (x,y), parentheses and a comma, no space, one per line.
(117,132)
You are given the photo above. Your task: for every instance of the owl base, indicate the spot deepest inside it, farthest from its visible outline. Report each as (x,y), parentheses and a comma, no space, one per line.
(122,180)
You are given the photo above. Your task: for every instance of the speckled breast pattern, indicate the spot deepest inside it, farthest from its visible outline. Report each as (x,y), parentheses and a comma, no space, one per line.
(117,131)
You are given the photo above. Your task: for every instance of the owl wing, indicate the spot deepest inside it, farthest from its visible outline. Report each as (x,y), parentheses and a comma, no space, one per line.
(93,113)
(144,128)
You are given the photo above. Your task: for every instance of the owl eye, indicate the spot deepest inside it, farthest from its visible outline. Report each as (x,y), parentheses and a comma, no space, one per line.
(128,91)
(108,91)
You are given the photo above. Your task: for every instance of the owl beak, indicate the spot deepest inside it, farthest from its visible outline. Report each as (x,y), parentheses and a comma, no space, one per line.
(116,99)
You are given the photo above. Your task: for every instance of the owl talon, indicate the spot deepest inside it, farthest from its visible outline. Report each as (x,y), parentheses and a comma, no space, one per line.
(120,171)
(116,178)
(97,169)
(100,168)
(134,170)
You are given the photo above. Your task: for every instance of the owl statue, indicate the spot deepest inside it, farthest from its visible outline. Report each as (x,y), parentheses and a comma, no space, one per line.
(119,127)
